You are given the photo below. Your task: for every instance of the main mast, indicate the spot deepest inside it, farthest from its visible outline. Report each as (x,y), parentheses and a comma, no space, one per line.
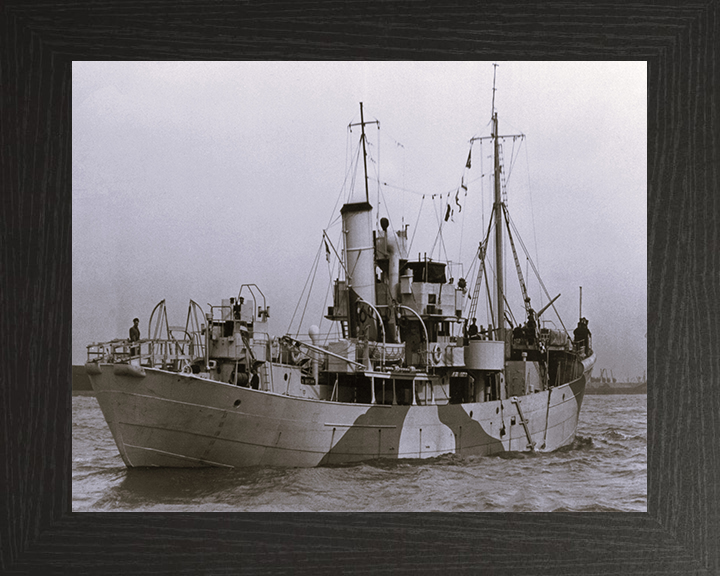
(362,127)
(497,208)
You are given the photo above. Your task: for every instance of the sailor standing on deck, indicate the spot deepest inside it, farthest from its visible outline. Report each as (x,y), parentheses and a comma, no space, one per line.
(135,336)
(582,336)
(531,327)
(473,329)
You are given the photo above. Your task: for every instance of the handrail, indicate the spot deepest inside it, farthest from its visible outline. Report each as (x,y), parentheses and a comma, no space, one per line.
(382,326)
(264,312)
(156,351)
(422,322)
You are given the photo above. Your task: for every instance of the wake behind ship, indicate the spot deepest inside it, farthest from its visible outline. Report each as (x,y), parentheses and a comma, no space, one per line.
(408,374)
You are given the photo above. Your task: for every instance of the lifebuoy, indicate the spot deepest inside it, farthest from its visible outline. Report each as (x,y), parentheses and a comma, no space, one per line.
(437,354)
(362,316)
(186,369)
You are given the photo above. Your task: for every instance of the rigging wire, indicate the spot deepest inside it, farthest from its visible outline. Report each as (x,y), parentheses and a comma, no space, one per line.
(379,142)
(331,268)
(416,224)
(377,173)
(532,211)
(439,235)
(481,248)
(462,229)
(334,218)
(392,226)
(311,274)
(537,273)
(375,165)
(404,169)
(509,313)
(352,169)
(450,211)
(418,193)
(307,301)
(382,200)
(489,309)
(402,189)
(482,187)
(465,187)
(354,175)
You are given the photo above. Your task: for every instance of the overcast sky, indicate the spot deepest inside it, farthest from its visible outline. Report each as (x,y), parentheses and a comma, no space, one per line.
(190,179)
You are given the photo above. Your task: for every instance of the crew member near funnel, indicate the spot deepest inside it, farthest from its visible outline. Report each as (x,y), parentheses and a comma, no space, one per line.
(531,327)
(237,308)
(135,337)
(582,335)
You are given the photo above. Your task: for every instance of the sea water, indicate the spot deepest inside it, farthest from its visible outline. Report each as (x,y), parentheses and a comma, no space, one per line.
(604,469)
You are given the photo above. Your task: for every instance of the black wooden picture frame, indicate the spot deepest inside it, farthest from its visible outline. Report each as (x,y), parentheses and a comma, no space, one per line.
(681,531)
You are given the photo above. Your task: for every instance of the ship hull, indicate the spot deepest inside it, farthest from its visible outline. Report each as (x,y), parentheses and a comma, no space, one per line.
(168,419)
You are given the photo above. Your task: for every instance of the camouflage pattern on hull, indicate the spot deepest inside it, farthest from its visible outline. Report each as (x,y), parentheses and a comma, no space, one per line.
(168,419)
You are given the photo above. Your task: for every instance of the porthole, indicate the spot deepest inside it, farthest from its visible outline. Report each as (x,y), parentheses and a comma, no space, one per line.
(471,413)
(237,403)
(497,410)
(563,396)
(285,376)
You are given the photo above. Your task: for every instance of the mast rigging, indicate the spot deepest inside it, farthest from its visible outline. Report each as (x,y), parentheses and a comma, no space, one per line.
(362,139)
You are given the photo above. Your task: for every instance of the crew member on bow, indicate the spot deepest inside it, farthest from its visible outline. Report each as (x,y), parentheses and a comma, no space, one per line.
(135,337)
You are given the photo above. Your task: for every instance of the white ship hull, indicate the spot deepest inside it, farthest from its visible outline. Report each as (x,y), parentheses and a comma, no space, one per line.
(170,419)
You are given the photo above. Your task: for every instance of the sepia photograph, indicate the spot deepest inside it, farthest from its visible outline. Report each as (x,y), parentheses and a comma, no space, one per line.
(359,286)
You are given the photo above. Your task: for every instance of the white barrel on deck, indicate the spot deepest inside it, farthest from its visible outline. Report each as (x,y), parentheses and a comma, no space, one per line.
(485,355)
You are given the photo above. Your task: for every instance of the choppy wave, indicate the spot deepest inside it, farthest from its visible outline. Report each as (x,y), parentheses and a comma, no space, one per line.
(604,469)
(580,443)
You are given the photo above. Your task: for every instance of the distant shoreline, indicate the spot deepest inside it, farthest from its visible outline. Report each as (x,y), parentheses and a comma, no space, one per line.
(618,388)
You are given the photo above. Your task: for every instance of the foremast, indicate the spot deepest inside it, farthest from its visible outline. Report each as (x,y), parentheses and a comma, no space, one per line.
(498,210)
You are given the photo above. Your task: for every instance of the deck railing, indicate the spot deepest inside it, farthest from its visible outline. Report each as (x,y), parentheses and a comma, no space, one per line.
(154,352)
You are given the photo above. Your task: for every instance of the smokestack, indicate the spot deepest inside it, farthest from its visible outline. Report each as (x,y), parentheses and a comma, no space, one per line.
(359,249)
(360,265)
